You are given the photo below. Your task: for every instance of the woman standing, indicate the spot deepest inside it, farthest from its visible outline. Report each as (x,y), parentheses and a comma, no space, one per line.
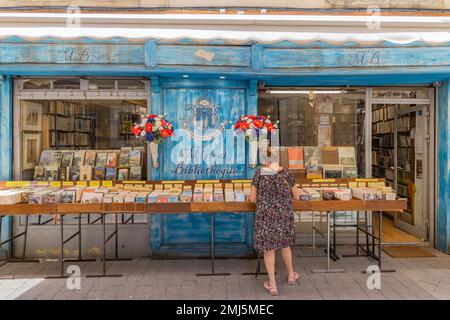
(273,189)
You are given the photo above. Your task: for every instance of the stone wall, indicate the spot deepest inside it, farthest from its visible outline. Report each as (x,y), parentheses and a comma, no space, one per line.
(323,4)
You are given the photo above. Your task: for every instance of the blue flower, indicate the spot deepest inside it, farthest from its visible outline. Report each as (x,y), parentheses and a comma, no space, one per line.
(150,137)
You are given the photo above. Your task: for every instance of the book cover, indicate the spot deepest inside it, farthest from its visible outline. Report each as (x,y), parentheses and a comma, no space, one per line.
(350,172)
(39,173)
(89,159)
(68,196)
(46,158)
(56,159)
(62,173)
(330,155)
(112,160)
(122,174)
(135,158)
(110,173)
(347,156)
(92,197)
(295,158)
(332,171)
(85,173)
(99,173)
(78,158)
(66,160)
(124,158)
(314,172)
(135,173)
(312,156)
(101,159)
(74,173)
(51,173)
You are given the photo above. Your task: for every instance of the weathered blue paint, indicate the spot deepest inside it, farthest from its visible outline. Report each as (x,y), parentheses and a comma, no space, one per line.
(6,141)
(73,53)
(354,57)
(200,55)
(443,219)
(172,233)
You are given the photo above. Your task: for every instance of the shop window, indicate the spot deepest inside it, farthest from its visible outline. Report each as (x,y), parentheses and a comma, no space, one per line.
(73,140)
(415,93)
(66,84)
(131,84)
(33,84)
(102,84)
(318,118)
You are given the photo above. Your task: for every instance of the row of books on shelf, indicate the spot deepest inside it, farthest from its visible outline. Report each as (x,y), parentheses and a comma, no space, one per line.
(69,138)
(383,127)
(66,108)
(125,157)
(170,193)
(382,161)
(302,157)
(86,172)
(384,113)
(68,124)
(386,141)
(404,124)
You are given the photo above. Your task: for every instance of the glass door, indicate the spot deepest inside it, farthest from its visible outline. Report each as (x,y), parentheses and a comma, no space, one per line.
(411,160)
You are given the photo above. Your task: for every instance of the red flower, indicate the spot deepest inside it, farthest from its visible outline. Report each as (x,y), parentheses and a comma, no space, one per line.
(269,126)
(136,130)
(148,127)
(166,133)
(252,117)
(243,126)
(258,124)
(151,116)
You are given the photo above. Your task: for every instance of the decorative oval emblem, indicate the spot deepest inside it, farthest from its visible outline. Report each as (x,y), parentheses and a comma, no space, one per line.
(202,120)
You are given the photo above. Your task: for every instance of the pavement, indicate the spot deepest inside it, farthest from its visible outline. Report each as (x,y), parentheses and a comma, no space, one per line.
(144,278)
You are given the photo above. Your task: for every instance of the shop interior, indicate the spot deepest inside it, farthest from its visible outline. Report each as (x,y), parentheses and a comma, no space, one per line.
(393,143)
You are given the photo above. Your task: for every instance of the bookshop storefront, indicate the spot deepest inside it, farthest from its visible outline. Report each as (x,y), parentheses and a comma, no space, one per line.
(359,110)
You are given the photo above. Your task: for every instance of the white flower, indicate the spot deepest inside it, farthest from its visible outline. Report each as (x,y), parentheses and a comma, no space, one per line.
(248,132)
(251,126)
(142,133)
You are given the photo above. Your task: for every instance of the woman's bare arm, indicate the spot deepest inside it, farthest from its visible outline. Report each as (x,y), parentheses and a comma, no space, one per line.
(295,193)
(253,194)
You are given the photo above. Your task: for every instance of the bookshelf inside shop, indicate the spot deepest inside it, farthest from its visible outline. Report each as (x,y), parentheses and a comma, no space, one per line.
(383,148)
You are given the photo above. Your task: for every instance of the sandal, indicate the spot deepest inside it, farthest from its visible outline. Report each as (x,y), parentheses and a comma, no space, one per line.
(272,291)
(293,279)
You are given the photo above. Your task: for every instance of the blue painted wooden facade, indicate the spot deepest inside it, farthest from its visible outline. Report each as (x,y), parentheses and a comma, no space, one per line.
(243,65)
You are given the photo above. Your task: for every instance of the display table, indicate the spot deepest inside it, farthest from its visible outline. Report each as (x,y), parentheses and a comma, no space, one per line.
(196,207)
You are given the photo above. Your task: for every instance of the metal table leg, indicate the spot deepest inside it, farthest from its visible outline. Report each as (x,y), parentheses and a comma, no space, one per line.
(105,240)
(328,270)
(213,273)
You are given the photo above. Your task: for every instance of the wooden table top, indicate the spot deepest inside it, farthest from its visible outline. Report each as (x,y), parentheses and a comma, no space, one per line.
(196,207)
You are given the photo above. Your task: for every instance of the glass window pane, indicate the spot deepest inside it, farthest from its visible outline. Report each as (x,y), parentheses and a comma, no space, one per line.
(131,84)
(318,118)
(36,84)
(66,84)
(69,125)
(102,84)
(415,93)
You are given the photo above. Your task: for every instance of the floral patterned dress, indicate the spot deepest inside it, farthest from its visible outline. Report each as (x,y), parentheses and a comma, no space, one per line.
(274,219)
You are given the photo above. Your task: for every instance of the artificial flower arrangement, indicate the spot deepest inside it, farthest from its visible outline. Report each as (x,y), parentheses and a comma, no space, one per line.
(256,129)
(154,129)
(254,125)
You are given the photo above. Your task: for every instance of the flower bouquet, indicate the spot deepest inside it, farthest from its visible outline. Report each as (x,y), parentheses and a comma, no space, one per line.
(254,127)
(154,129)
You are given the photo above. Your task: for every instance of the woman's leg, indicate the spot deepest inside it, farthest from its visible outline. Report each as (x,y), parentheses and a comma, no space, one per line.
(287,258)
(269,261)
